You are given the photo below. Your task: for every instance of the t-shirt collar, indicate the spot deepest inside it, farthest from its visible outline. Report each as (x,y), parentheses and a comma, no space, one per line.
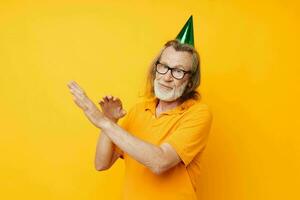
(151,104)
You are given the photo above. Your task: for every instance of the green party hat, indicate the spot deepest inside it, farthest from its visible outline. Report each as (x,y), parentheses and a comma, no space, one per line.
(186,35)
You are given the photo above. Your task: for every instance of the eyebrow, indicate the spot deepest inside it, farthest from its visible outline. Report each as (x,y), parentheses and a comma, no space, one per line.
(177,66)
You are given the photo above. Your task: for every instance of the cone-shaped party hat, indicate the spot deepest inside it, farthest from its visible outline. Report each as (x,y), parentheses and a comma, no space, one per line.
(186,35)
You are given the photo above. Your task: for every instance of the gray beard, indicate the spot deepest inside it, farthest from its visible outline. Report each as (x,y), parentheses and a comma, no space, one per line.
(168,94)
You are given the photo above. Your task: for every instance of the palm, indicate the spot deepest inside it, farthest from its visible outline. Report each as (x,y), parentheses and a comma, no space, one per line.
(112,107)
(85,103)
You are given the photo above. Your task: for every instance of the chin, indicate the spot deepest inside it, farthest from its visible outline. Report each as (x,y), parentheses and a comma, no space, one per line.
(164,98)
(162,94)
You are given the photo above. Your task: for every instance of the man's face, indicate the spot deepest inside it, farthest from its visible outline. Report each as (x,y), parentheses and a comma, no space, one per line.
(166,87)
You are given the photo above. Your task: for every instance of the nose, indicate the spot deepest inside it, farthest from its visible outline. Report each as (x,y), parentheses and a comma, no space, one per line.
(168,76)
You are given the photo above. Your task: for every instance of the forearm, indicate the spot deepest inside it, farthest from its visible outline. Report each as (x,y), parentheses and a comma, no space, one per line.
(104,151)
(146,153)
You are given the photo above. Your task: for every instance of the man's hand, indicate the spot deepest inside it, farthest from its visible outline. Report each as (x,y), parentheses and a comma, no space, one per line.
(112,107)
(88,107)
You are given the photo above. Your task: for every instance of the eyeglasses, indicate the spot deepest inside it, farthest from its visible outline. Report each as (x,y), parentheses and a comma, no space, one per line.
(176,73)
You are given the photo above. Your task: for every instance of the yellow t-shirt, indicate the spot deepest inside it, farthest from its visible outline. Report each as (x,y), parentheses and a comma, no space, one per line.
(186,129)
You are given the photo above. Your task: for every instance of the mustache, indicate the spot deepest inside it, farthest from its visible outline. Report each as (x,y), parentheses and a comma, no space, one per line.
(171,87)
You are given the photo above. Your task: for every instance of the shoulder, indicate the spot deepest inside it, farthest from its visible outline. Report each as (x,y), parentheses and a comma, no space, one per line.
(140,106)
(199,110)
(199,106)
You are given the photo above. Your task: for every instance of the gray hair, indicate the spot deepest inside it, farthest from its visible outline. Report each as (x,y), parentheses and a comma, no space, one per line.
(194,80)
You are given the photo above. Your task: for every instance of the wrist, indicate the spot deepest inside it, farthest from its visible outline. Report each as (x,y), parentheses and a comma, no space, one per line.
(113,119)
(105,123)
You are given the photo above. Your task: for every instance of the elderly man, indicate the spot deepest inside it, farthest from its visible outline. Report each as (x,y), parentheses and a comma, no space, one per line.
(162,138)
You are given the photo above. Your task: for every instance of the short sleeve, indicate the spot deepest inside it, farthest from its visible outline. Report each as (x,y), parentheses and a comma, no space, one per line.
(125,123)
(191,136)
(118,150)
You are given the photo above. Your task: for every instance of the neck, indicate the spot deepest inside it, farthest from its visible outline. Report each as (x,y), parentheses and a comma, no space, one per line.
(163,106)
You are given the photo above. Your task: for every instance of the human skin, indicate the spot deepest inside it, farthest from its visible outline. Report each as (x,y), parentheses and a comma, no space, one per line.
(157,158)
(173,58)
(105,155)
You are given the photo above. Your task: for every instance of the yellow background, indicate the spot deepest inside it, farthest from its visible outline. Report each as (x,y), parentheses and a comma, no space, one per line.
(250,78)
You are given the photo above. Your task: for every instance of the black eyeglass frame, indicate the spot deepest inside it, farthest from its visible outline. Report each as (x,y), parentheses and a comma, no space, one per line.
(169,68)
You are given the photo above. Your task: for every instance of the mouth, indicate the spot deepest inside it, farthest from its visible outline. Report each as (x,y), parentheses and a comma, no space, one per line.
(164,86)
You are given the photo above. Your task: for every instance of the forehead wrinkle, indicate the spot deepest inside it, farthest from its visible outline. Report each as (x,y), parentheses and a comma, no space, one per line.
(176,66)
(171,57)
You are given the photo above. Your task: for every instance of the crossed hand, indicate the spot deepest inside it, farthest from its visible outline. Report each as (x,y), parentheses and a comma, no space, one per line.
(111,106)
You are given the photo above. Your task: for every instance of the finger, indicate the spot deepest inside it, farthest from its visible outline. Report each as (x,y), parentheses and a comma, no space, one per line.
(77,95)
(83,100)
(114,98)
(78,98)
(109,97)
(76,87)
(88,102)
(83,97)
(79,104)
(118,100)
(101,103)
(105,99)
(118,103)
(71,84)
(122,113)
(75,92)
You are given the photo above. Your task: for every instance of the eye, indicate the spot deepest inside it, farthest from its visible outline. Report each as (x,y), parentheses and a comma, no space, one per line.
(164,66)
(160,65)
(176,70)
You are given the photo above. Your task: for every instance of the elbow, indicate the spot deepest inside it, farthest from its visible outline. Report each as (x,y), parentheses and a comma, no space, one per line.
(159,168)
(157,171)
(159,165)
(100,167)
